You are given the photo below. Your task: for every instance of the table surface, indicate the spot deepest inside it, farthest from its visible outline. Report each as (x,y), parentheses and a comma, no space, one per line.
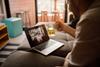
(18,40)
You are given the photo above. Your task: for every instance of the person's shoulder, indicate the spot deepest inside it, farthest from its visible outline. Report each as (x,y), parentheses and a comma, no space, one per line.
(90,16)
(91,13)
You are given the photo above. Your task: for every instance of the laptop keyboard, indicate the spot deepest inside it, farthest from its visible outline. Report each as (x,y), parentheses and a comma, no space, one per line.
(45,45)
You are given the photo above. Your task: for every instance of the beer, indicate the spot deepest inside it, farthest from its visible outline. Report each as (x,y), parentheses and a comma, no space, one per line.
(51,31)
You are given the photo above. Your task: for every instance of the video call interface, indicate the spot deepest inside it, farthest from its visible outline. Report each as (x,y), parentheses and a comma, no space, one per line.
(37,34)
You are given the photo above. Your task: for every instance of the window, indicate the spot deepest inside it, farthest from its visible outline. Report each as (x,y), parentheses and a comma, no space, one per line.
(48,5)
(60,5)
(51,6)
(45,5)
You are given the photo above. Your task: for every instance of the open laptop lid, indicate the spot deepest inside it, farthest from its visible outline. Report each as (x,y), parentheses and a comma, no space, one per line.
(36,35)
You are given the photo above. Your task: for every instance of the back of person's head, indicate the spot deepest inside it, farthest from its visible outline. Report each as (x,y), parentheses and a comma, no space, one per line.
(80,6)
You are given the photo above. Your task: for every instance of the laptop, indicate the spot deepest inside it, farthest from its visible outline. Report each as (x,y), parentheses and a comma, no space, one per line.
(39,40)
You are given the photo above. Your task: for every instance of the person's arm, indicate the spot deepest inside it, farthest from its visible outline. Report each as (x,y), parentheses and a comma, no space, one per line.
(69,30)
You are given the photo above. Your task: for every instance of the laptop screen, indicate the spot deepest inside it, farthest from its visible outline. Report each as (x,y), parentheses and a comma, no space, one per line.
(36,35)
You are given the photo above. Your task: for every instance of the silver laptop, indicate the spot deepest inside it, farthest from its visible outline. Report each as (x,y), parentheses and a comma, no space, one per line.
(39,40)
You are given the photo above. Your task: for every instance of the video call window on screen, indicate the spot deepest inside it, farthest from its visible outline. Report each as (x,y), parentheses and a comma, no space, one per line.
(37,34)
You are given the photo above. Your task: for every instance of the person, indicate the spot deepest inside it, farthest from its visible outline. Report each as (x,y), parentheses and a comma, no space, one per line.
(86,46)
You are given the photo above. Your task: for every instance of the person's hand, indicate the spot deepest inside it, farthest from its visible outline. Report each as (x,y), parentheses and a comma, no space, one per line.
(59,24)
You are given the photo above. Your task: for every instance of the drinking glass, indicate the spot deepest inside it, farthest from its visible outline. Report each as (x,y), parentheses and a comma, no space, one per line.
(51,30)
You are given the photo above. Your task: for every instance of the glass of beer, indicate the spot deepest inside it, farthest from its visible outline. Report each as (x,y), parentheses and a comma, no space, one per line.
(51,30)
